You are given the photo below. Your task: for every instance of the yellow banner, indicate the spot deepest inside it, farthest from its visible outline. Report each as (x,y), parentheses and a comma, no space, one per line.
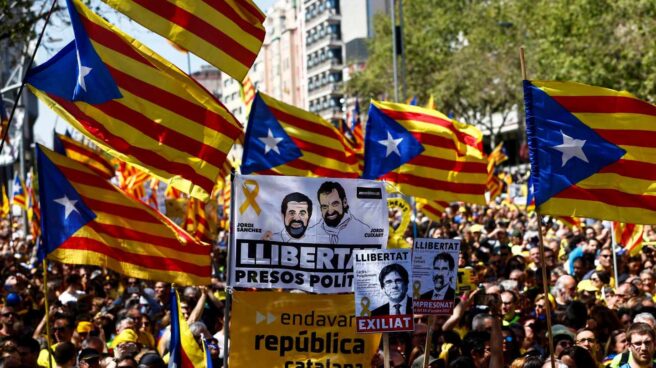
(272,329)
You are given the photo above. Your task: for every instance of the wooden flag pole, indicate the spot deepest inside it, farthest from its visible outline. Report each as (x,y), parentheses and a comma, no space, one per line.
(429,340)
(545,284)
(386,352)
(613,240)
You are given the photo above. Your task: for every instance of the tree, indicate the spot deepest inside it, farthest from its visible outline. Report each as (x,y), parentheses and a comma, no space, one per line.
(465,52)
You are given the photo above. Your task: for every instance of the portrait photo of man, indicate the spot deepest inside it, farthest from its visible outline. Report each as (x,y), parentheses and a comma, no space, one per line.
(296,209)
(394,281)
(336,218)
(443,271)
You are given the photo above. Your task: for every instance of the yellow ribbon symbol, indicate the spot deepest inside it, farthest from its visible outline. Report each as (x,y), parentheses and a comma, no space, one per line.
(416,286)
(396,239)
(250,196)
(364,303)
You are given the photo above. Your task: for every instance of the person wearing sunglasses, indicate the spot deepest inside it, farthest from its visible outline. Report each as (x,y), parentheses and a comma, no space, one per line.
(62,329)
(7,321)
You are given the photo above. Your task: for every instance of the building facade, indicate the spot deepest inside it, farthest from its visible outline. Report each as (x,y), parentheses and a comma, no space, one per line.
(334,39)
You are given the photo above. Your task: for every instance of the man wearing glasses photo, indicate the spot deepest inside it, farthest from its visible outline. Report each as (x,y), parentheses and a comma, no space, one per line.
(394,281)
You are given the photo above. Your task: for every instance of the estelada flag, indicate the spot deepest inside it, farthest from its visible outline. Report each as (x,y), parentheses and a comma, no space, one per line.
(284,140)
(19,196)
(84,154)
(426,153)
(591,151)
(136,105)
(629,236)
(184,351)
(226,33)
(86,220)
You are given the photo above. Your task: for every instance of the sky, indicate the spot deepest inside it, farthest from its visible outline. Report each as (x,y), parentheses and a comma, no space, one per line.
(48,120)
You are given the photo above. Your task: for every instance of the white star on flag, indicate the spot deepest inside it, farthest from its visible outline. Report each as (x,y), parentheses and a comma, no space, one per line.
(571,148)
(271,142)
(391,144)
(69,205)
(83,72)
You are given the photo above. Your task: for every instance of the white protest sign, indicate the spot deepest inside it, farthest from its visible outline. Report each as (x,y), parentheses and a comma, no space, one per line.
(435,271)
(299,233)
(382,302)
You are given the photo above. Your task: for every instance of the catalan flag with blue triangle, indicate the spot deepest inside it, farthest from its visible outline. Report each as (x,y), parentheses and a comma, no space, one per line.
(426,153)
(136,105)
(19,194)
(88,221)
(284,140)
(591,151)
(184,351)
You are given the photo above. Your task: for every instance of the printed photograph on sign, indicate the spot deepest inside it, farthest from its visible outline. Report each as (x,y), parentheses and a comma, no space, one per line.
(299,233)
(382,299)
(435,275)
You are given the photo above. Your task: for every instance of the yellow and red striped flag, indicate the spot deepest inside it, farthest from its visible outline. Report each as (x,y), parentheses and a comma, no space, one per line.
(496,157)
(426,153)
(79,152)
(569,221)
(433,209)
(226,33)
(195,222)
(153,200)
(494,186)
(284,140)
(629,236)
(247,92)
(591,151)
(136,105)
(86,220)
(33,209)
(131,180)
(5,209)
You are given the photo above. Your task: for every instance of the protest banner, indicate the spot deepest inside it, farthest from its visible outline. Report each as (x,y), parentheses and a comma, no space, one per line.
(297,330)
(382,277)
(299,233)
(434,270)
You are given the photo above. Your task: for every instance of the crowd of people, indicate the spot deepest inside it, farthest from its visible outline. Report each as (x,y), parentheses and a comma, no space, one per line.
(597,320)
(99,318)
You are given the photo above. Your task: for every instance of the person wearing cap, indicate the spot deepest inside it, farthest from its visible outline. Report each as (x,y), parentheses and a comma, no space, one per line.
(563,338)
(126,344)
(587,292)
(88,358)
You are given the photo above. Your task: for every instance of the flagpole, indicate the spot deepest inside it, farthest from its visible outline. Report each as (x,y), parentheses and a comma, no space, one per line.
(613,241)
(394,66)
(45,293)
(386,353)
(545,286)
(228,300)
(29,66)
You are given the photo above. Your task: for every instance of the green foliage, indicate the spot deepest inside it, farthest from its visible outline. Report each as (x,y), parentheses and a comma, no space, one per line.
(466,52)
